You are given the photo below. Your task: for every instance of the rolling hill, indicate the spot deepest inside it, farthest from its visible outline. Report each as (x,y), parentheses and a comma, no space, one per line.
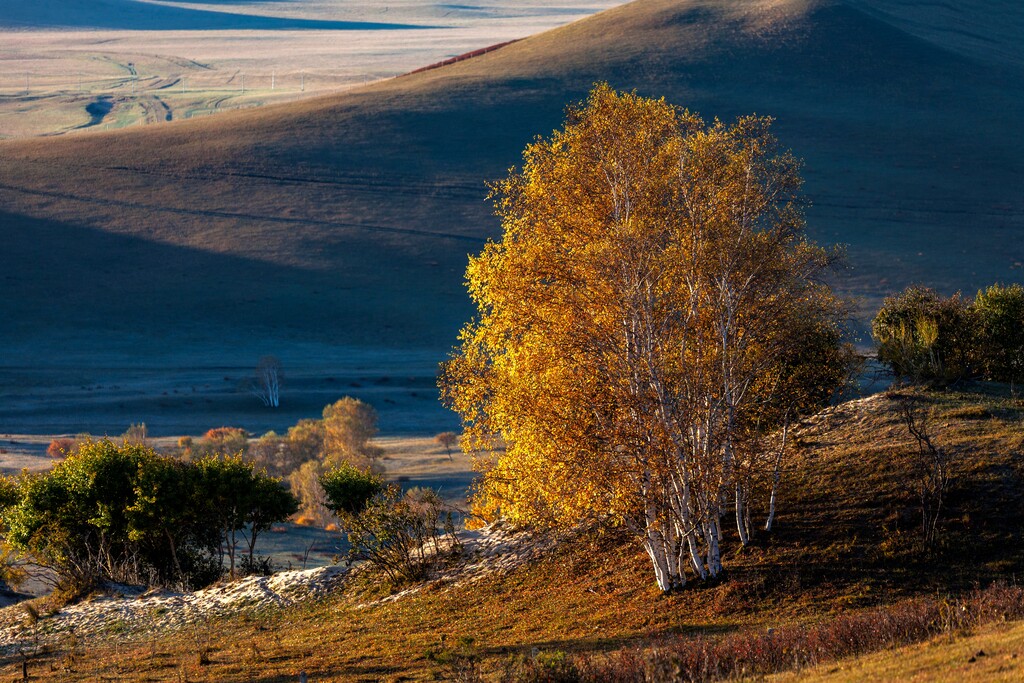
(334,231)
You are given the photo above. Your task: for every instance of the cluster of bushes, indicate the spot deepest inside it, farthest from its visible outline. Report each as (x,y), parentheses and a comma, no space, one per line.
(125,513)
(303,454)
(151,518)
(926,337)
(759,654)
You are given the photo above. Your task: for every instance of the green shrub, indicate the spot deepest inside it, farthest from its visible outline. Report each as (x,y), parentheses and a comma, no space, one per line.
(125,513)
(925,337)
(1000,314)
(399,533)
(349,489)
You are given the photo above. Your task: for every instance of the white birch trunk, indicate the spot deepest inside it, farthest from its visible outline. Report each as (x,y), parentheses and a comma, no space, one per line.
(714,554)
(741,515)
(776,476)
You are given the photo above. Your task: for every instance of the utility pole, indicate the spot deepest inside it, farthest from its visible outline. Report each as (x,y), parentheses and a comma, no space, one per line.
(28,83)
(273,79)
(302,87)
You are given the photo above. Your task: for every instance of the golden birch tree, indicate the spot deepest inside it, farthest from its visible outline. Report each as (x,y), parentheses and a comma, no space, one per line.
(639,325)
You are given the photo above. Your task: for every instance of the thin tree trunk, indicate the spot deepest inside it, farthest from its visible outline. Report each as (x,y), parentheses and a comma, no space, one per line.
(777,475)
(174,554)
(741,515)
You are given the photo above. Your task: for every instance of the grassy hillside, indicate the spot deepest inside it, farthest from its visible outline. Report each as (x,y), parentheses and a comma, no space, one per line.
(844,543)
(992,655)
(324,227)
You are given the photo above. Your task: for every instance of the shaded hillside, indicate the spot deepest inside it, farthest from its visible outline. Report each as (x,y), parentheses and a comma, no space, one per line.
(346,221)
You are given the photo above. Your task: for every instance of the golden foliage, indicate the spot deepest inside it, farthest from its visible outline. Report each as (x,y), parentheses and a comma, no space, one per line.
(642,321)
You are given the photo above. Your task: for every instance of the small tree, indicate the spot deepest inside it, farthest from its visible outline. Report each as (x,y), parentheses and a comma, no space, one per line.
(266,385)
(136,434)
(266,502)
(399,533)
(172,524)
(61,448)
(305,441)
(928,476)
(348,426)
(447,440)
(305,485)
(222,440)
(74,518)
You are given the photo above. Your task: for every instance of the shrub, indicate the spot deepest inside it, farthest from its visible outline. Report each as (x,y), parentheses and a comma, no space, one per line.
(349,490)
(136,434)
(305,485)
(399,533)
(60,448)
(11,575)
(1000,318)
(223,440)
(348,426)
(74,518)
(925,337)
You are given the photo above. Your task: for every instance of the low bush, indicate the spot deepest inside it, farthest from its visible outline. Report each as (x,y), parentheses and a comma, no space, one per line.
(60,448)
(1000,319)
(400,533)
(926,337)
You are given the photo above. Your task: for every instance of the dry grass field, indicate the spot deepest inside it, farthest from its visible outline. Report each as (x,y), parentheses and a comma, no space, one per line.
(333,232)
(844,544)
(70,66)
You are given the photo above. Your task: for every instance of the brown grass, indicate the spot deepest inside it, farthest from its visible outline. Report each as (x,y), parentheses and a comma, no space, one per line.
(992,654)
(844,544)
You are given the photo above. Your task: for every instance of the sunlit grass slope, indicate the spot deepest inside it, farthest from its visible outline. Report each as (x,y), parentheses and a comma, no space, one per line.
(845,540)
(994,654)
(347,220)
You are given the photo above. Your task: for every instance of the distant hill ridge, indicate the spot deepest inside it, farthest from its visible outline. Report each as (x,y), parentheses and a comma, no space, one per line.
(147,16)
